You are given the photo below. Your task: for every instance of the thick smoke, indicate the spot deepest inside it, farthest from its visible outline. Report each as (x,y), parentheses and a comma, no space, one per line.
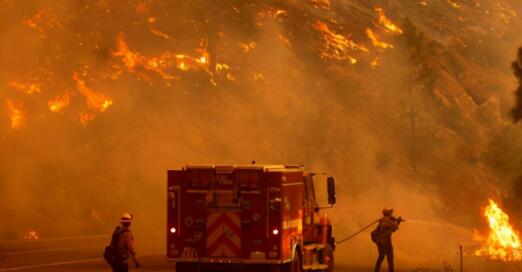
(425,130)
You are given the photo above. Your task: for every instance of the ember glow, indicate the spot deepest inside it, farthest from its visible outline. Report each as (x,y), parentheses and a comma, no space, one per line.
(31,235)
(387,23)
(96,101)
(42,21)
(247,47)
(336,46)
(15,113)
(324,4)
(375,40)
(58,103)
(28,88)
(164,64)
(503,241)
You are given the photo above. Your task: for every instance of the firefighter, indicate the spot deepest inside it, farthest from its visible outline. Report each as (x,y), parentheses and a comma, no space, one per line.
(382,236)
(125,245)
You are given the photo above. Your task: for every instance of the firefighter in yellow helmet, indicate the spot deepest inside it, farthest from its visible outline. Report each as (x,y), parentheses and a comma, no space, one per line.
(382,237)
(123,241)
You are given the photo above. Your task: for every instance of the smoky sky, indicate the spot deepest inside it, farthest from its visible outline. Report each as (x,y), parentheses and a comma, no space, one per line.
(427,121)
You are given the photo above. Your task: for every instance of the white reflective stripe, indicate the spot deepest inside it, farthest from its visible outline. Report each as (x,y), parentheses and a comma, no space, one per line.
(292,224)
(292,184)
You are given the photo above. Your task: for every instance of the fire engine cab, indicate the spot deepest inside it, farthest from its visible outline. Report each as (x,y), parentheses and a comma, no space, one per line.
(251,217)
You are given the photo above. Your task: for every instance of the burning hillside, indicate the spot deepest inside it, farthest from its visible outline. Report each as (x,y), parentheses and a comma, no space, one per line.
(108,94)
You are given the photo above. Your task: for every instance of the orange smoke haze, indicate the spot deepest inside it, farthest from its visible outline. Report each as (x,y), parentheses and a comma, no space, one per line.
(404,101)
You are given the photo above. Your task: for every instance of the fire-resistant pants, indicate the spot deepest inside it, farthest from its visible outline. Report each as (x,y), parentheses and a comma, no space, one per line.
(120,267)
(385,250)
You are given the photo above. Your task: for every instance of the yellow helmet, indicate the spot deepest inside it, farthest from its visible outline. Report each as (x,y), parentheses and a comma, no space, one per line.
(126,218)
(387,211)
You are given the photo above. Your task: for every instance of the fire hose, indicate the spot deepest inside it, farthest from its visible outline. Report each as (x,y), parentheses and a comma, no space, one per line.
(363,229)
(355,234)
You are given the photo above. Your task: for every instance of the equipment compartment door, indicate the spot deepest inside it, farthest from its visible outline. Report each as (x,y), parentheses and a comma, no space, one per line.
(223,234)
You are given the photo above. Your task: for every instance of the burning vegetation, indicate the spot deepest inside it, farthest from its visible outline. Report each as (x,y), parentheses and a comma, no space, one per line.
(503,241)
(407,96)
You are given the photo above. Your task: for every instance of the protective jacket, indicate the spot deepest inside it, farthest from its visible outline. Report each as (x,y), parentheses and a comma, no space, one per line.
(387,226)
(126,245)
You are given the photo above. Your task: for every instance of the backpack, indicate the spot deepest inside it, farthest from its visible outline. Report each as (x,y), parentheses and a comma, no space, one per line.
(376,234)
(111,254)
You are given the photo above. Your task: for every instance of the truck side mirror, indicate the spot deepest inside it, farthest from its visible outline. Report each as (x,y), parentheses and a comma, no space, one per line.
(331,190)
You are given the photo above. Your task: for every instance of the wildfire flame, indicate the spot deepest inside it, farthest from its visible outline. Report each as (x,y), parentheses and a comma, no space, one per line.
(375,40)
(337,45)
(95,100)
(15,112)
(503,242)
(285,40)
(162,64)
(454,4)
(42,21)
(324,4)
(58,103)
(387,23)
(28,88)
(31,235)
(247,47)
(86,117)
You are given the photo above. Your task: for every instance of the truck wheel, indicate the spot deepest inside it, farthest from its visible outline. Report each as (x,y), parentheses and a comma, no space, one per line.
(328,254)
(296,265)
(186,267)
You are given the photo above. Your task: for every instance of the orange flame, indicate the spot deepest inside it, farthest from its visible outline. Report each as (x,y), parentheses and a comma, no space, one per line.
(375,40)
(375,62)
(42,21)
(161,64)
(503,242)
(387,23)
(28,88)
(86,117)
(31,235)
(15,112)
(454,4)
(247,47)
(324,4)
(58,103)
(95,100)
(337,45)
(285,40)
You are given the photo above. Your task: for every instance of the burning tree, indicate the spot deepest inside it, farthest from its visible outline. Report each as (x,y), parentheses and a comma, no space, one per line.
(517,70)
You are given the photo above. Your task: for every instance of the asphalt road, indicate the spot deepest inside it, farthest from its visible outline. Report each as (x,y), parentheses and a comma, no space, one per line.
(81,254)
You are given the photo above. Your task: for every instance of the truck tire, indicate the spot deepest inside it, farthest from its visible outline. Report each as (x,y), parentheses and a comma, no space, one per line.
(328,252)
(296,264)
(186,267)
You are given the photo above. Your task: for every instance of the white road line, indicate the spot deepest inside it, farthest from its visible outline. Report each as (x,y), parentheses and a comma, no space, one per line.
(49,264)
(6,242)
(26,267)
(14,253)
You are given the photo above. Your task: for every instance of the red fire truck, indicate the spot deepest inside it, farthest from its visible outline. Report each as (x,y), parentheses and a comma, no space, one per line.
(251,217)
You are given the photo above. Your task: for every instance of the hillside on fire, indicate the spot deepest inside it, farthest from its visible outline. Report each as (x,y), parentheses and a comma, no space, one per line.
(408,102)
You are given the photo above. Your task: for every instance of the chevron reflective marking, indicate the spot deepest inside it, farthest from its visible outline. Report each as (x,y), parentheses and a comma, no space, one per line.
(223,234)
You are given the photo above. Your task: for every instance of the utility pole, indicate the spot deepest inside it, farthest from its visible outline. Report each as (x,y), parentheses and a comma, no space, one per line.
(412,114)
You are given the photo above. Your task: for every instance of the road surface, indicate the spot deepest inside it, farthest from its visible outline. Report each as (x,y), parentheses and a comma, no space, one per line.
(81,254)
